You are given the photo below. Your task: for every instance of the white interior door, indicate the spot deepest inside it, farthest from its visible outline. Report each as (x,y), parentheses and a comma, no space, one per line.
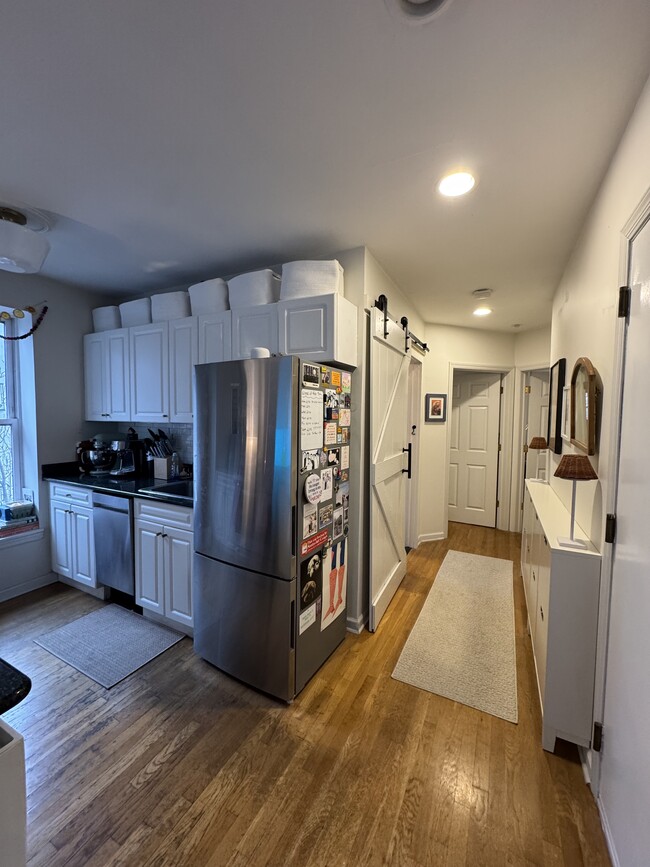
(474,447)
(389,366)
(537,422)
(625,760)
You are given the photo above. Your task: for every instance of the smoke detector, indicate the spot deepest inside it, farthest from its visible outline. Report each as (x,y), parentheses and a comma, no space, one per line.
(417,11)
(481,294)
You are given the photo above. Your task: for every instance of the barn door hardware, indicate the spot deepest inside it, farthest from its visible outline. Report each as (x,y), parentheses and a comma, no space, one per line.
(382,304)
(404,322)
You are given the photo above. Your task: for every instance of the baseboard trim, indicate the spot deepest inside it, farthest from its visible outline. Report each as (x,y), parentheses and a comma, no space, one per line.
(356,624)
(431,537)
(608,834)
(28,586)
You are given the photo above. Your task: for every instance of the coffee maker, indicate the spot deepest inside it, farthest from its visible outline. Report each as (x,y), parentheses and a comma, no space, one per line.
(124,459)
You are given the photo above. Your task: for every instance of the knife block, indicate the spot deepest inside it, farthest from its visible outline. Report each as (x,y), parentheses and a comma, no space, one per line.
(162,468)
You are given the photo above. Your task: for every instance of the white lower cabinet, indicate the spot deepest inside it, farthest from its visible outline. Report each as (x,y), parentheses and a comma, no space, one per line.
(163,559)
(562,587)
(72,539)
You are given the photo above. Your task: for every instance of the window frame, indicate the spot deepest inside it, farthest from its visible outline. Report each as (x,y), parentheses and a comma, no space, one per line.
(12,417)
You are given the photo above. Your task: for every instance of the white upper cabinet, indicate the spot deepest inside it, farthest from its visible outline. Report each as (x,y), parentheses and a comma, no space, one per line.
(215,337)
(183,355)
(107,385)
(254,326)
(321,328)
(150,372)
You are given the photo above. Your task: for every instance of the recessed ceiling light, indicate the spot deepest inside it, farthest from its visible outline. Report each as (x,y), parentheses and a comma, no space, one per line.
(482,311)
(456,184)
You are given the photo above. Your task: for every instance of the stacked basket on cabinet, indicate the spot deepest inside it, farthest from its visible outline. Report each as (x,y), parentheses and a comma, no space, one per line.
(299,279)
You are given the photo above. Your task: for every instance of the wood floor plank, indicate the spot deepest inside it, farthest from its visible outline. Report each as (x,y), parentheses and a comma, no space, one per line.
(182,765)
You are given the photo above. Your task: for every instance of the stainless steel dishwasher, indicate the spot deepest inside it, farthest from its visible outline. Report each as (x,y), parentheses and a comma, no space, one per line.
(113,527)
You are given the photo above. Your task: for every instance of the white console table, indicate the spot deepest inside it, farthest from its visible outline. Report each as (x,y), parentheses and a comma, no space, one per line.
(562,590)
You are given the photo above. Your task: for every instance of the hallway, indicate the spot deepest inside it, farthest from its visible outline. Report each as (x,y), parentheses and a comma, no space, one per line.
(181,765)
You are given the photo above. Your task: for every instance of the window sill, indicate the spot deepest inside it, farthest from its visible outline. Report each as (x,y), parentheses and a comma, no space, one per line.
(22,538)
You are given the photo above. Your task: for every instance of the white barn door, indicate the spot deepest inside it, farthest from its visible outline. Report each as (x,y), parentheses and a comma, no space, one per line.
(389,366)
(474,448)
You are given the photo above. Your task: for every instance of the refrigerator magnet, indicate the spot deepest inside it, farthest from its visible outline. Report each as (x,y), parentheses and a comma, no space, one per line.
(333,456)
(307,618)
(334,585)
(309,520)
(318,541)
(325,376)
(327,482)
(329,434)
(345,457)
(310,375)
(344,417)
(336,378)
(346,403)
(325,516)
(311,420)
(337,529)
(313,488)
(310,461)
(311,580)
(345,435)
(343,495)
(346,382)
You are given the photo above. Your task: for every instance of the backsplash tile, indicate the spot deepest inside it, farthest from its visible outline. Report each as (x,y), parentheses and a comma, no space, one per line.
(180,436)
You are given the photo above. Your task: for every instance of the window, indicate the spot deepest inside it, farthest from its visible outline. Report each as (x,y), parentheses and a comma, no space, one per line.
(9,426)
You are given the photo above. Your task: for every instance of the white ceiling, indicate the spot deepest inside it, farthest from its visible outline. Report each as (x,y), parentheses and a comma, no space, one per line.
(180,141)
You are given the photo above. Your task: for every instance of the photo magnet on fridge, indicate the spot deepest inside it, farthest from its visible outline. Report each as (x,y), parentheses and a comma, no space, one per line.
(327,484)
(309,520)
(325,516)
(311,580)
(331,404)
(336,378)
(325,376)
(346,382)
(330,434)
(334,584)
(337,529)
(333,457)
(311,375)
(310,461)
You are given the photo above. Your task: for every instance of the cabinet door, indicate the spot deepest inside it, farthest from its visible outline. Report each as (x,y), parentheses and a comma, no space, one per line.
(306,327)
(540,643)
(178,575)
(94,377)
(183,355)
(83,546)
(254,326)
(149,565)
(531,599)
(149,349)
(215,343)
(61,538)
(117,387)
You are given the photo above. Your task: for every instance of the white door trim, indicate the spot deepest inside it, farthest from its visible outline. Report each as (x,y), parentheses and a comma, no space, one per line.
(631,228)
(411,535)
(504,476)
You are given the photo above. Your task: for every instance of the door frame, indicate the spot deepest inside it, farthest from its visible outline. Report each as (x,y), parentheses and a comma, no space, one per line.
(516,510)
(504,472)
(591,760)
(411,500)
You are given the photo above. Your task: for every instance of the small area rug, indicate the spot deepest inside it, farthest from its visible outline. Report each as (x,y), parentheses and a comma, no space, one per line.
(462,645)
(109,644)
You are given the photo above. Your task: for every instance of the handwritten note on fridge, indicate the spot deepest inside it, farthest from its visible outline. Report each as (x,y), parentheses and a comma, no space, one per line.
(311,419)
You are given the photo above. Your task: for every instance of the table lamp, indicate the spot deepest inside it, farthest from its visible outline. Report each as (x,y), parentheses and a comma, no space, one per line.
(576,468)
(538,444)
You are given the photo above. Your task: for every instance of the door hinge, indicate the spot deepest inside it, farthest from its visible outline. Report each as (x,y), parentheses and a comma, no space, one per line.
(499,446)
(501,390)
(624,302)
(527,390)
(597,737)
(522,505)
(610,529)
(497,504)
(525,448)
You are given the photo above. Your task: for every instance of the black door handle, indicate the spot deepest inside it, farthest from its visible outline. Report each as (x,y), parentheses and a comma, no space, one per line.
(408,466)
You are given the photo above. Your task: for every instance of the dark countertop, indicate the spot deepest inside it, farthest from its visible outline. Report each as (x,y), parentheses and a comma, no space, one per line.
(131,486)
(14,686)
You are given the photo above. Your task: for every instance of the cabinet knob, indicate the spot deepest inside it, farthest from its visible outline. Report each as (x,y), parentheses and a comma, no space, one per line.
(541,612)
(164,415)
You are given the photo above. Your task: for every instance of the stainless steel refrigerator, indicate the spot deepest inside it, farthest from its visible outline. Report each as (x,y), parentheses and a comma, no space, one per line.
(271,518)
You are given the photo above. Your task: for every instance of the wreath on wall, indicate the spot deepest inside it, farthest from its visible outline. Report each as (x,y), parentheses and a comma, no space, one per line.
(19,313)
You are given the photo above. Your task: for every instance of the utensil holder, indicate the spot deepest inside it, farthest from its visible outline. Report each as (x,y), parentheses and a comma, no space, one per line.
(162,468)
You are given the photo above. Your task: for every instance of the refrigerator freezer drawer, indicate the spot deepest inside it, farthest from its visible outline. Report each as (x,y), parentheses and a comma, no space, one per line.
(244,625)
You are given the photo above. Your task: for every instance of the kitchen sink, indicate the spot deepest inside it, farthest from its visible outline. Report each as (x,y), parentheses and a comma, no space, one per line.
(182,488)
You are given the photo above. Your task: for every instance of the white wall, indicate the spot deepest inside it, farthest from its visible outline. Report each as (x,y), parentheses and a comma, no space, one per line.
(58,371)
(584,322)
(450,346)
(532,348)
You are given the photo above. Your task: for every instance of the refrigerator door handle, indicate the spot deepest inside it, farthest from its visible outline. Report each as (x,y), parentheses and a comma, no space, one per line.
(293,531)
(292,629)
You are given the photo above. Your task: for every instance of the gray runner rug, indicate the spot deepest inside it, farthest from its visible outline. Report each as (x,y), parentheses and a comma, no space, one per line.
(462,645)
(109,644)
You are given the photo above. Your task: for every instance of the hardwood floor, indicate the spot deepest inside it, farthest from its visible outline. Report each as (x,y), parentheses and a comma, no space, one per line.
(181,765)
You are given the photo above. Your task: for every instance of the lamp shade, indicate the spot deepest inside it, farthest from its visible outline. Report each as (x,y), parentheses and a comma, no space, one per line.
(538,443)
(21,250)
(576,468)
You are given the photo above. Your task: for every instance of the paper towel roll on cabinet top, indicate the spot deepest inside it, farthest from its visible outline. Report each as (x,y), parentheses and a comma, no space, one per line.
(260,352)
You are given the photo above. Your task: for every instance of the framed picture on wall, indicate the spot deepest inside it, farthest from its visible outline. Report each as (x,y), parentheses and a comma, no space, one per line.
(556,392)
(435,407)
(566,413)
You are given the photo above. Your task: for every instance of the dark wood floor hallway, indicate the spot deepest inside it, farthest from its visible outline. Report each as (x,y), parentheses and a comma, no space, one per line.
(181,765)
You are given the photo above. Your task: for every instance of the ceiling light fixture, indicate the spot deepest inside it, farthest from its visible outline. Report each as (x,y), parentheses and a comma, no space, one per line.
(483,311)
(22,248)
(417,11)
(456,184)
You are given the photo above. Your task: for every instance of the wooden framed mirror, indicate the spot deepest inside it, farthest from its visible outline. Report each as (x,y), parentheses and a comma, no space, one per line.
(584,409)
